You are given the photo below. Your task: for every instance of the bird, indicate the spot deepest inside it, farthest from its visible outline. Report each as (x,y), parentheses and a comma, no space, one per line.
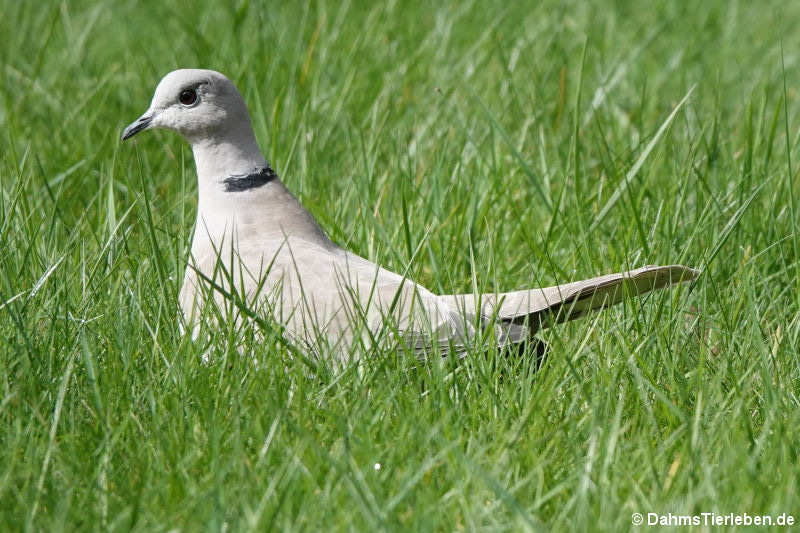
(257,253)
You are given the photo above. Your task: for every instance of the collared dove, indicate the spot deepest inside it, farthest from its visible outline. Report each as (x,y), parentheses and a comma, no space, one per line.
(253,239)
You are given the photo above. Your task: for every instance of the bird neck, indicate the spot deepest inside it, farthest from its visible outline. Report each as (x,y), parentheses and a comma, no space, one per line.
(239,191)
(234,154)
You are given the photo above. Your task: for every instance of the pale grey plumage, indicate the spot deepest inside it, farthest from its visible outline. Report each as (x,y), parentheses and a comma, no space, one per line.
(254,236)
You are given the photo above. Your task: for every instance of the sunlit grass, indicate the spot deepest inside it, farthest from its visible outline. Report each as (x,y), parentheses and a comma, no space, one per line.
(512,146)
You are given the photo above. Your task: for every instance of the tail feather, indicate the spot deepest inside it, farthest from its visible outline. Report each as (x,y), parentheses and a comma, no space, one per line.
(543,306)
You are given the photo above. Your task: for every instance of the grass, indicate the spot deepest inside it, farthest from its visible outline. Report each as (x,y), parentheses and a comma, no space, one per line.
(513,146)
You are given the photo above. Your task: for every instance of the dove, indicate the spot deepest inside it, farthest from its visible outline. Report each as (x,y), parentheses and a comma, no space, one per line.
(255,243)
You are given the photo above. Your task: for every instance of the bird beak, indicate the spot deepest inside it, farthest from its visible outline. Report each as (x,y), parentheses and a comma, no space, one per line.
(141,124)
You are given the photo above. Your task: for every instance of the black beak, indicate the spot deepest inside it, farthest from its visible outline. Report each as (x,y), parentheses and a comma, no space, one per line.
(142,123)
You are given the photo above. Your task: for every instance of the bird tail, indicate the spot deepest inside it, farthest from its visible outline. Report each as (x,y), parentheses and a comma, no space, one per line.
(545,306)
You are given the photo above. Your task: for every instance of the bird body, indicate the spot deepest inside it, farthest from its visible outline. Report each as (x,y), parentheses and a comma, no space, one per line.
(252,237)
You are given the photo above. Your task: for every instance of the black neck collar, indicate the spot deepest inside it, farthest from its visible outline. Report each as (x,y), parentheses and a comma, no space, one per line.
(245,182)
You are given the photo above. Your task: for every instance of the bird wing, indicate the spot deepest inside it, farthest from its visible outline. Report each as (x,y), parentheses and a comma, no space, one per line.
(544,306)
(313,289)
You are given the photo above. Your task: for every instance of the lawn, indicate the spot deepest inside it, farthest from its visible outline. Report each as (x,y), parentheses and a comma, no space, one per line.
(479,146)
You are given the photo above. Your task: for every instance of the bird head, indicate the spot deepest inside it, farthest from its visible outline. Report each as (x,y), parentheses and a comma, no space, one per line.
(198,104)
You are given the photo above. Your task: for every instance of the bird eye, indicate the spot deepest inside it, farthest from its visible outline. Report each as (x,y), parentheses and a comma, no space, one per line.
(188,97)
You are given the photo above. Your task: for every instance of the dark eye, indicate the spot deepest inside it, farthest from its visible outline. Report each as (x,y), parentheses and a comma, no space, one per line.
(188,97)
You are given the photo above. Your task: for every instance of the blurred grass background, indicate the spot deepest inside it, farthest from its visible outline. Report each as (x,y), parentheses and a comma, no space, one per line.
(501,140)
